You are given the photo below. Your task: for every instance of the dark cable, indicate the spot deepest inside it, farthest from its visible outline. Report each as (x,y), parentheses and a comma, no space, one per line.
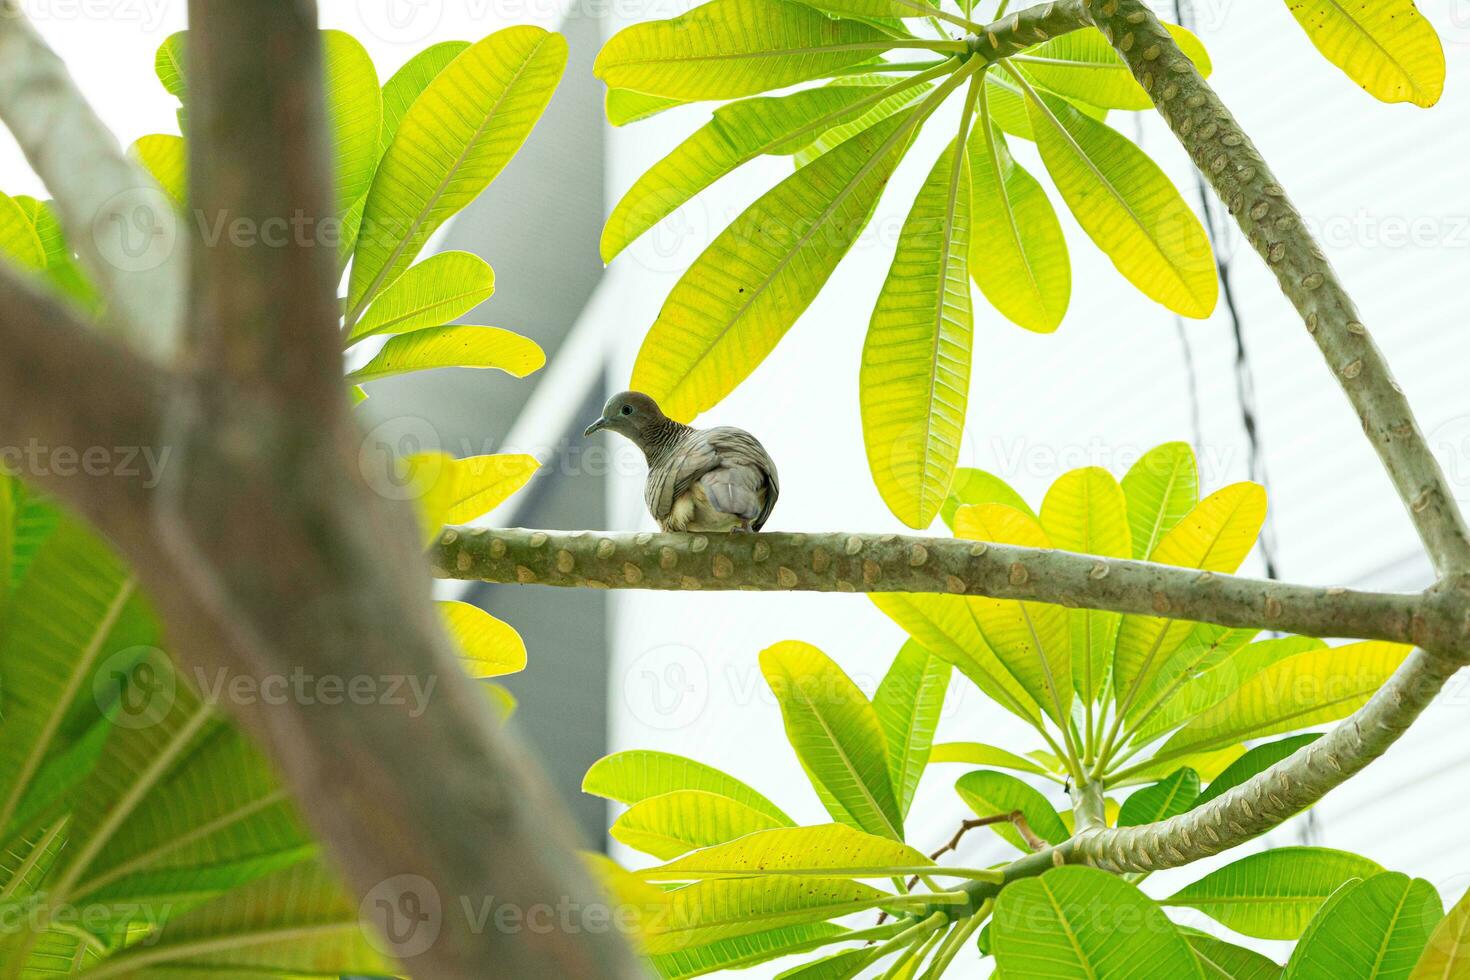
(1245,387)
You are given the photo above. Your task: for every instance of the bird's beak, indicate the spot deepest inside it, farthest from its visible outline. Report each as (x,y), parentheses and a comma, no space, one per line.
(595,426)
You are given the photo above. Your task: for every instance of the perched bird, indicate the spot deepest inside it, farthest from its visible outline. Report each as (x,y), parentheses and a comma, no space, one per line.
(718,479)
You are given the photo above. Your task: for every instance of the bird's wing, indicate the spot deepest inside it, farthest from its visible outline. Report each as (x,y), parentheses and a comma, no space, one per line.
(673,476)
(744,481)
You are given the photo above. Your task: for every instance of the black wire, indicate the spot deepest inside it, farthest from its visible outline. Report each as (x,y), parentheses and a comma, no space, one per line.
(1245,386)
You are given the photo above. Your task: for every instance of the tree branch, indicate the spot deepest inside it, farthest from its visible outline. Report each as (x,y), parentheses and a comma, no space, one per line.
(265,309)
(100,453)
(839,562)
(1234,167)
(123,226)
(1020,30)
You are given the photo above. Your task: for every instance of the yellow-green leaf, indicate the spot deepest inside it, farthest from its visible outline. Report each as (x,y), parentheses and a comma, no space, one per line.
(488,647)
(736,134)
(455,346)
(836,848)
(1447,955)
(893,97)
(710,911)
(946,628)
(675,823)
(1275,893)
(1083,65)
(991,793)
(1374,931)
(1308,689)
(972,486)
(166,160)
(874,9)
(1018,256)
(980,754)
(453,491)
(1127,206)
(409,82)
(1032,639)
(1386,46)
(1215,536)
(837,736)
(354,112)
(1161,488)
(1087,924)
(430,294)
(908,701)
(638,774)
(625,106)
(914,382)
(745,290)
(725,49)
(453,140)
(18,240)
(1084,511)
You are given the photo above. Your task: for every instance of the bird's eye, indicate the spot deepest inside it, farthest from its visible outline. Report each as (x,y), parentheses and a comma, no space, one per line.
(627,409)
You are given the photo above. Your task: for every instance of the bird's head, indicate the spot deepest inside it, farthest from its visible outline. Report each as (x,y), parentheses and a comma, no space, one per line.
(632,414)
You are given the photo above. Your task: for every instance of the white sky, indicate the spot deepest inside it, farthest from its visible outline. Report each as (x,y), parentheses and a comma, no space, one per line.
(109,46)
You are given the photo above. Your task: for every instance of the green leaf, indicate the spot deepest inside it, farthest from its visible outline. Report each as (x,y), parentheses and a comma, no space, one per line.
(625,106)
(1225,961)
(457,491)
(444,286)
(1032,639)
(354,112)
(711,911)
(1209,765)
(943,624)
(18,240)
(1164,799)
(168,64)
(1447,956)
(1018,256)
(914,382)
(1085,511)
(737,133)
(1066,923)
(1127,206)
(1308,689)
(1215,536)
(980,754)
(453,140)
(972,486)
(834,847)
(1161,488)
(488,647)
(1387,47)
(839,966)
(726,49)
(1375,931)
(409,82)
(1211,663)
(638,774)
(61,268)
(166,160)
(908,702)
(874,9)
(837,736)
(743,951)
(454,346)
(745,290)
(297,921)
(991,794)
(1256,760)
(675,823)
(1275,893)
(1083,65)
(892,97)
